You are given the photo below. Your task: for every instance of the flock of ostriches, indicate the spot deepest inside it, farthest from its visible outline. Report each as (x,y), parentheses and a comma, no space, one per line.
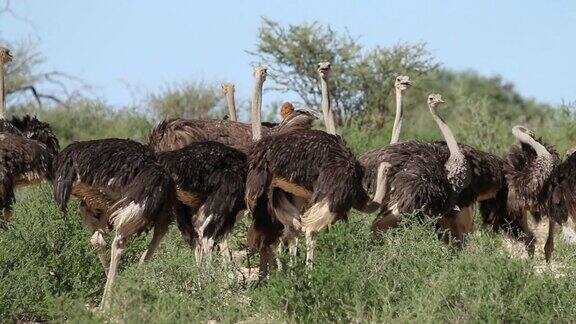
(293,180)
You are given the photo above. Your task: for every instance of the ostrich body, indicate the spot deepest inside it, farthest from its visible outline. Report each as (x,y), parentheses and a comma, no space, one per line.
(210,181)
(25,158)
(312,165)
(121,187)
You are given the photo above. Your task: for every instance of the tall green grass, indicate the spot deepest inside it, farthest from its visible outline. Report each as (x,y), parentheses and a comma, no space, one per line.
(50,272)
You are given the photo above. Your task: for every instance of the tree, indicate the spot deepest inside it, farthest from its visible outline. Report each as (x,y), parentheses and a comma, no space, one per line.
(360,82)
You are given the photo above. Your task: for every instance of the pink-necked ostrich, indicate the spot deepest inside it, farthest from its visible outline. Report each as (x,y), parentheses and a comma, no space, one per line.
(121,187)
(318,177)
(27,149)
(210,179)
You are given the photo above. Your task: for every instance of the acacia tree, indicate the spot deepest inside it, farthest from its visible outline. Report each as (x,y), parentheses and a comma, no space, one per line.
(360,81)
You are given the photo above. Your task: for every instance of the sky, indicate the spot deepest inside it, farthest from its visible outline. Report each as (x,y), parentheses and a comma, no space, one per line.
(126,48)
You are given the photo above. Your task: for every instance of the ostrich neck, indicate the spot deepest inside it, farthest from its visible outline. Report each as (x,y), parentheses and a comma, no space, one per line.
(448,136)
(2,93)
(540,149)
(326,111)
(398,118)
(231,105)
(256,107)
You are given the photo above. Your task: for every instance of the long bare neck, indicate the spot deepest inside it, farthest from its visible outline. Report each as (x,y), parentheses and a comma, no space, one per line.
(2,92)
(256,108)
(231,102)
(326,110)
(398,118)
(448,136)
(540,149)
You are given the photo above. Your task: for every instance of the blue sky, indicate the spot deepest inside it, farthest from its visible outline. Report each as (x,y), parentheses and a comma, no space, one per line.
(125,48)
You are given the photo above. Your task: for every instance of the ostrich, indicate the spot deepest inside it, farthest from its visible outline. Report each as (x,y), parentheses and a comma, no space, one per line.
(295,119)
(487,180)
(228,89)
(176,133)
(210,188)
(432,177)
(120,186)
(27,149)
(317,174)
(371,161)
(535,179)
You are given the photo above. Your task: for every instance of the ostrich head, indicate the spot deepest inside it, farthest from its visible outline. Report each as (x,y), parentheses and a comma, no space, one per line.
(402,82)
(286,110)
(260,73)
(227,88)
(34,129)
(5,56)
(324,69)
(434,101)
(521,131)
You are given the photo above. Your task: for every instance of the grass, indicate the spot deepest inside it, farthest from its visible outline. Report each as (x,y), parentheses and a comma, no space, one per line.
(50,272)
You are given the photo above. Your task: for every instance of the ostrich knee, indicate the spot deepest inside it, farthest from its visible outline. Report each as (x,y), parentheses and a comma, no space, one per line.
(99,244)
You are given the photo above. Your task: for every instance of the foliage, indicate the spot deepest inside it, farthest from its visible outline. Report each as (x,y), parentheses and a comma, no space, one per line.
(86,119)
(186,100)
(359,81)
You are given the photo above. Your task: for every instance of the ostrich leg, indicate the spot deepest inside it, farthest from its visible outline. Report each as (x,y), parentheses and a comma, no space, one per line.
(549,246)
(159,231)
(118,246)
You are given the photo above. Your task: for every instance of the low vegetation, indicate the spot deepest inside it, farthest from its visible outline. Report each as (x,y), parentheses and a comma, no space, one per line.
(50,272)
